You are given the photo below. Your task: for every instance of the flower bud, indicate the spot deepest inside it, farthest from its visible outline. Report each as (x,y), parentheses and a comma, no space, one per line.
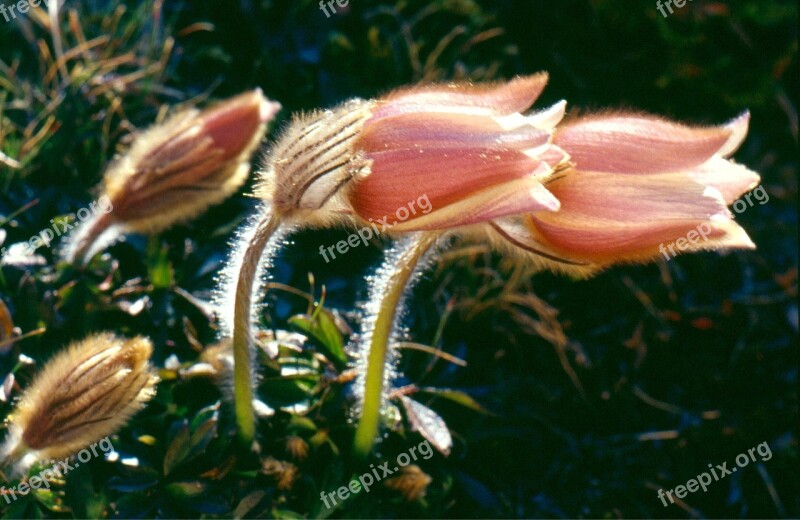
(177,169)
(85,393)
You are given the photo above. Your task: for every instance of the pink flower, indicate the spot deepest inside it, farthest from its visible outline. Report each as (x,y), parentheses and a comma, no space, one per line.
(580,196)
(638,185)
(466,147)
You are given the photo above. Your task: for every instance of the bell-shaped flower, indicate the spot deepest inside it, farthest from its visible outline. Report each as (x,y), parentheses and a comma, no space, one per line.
(639,187)
(466,149)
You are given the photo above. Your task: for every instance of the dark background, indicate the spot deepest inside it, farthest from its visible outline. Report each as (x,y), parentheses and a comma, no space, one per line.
(598,392)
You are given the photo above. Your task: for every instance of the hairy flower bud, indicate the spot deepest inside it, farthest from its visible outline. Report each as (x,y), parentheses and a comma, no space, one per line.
(177,169)
(314,159)
(86,392)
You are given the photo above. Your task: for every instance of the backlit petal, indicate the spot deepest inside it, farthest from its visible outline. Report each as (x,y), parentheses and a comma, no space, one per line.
(639,144)
(464,98)
(513,198)
(445,175)
(441,130)
(731,179)
(607,218)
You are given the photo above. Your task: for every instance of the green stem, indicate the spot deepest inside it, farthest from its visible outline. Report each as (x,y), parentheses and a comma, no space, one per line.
(242,336)
(389,292)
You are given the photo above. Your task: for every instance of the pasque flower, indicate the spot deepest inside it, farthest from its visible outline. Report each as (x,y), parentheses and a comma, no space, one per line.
(573,197)
(467,147)
(177,169)
(636,183)
(86,392)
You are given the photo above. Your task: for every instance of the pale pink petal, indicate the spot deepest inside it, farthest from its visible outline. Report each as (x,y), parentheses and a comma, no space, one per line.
(445,175)
(464,98)
(546,119)
(731,179)
(608,218)
(519,236)
(738,128)
(440,130)
(512,198)
(638,144)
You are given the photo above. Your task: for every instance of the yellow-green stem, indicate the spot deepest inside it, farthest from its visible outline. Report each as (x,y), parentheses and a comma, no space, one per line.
(392,290)
(242,335)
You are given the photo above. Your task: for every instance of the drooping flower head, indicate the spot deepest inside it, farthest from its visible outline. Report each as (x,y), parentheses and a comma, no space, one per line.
(467,148)
(574,197)
(636,185)
(177,169)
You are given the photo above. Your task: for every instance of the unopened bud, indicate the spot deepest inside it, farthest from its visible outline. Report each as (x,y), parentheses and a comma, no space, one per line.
(82,395)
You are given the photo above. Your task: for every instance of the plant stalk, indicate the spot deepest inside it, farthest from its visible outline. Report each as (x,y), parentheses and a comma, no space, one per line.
(390,292)
(242,334)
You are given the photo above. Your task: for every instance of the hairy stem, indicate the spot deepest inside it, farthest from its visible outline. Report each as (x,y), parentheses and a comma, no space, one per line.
(386,297)
(84,245)
(242,334)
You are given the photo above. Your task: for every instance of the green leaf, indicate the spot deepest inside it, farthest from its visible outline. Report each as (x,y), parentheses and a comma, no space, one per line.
(204,428)
(322,327)
(51,500)
(159,269)
(458,397)
(178,449)
(135,479)
(182,490)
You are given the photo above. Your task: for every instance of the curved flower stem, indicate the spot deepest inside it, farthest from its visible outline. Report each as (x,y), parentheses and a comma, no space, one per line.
(242,335)
(84,244)
(386,297)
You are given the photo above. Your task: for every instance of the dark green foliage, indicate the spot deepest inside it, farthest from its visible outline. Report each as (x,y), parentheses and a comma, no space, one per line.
(640,379)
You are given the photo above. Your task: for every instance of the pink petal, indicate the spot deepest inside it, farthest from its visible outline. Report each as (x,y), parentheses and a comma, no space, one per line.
(638,144)
(512,198)
(441,130)
(609,218)
(445,175)
(738,128)
(232,123)
(465,98)
(518,236)
(731,179)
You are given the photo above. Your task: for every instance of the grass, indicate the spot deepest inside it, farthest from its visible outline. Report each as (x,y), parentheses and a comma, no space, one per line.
(578,398)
